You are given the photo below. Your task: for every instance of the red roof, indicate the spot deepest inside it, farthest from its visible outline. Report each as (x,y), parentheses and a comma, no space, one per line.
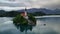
(23,14)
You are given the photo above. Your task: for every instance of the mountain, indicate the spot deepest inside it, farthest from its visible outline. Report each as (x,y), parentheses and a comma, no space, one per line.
(2,11)
(34,11)
(57,11)
(46,11)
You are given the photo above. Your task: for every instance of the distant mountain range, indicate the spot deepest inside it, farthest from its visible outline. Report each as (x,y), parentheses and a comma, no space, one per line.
(46,11)
(32,10)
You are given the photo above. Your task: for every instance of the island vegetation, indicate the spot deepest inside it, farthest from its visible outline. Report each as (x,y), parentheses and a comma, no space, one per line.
(20,20)
(22,24)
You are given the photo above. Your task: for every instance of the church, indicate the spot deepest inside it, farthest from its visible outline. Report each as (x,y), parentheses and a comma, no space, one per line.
(24,13)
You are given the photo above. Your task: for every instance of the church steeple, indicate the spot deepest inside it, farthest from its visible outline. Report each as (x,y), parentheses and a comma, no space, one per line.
(25,12)
(25,9)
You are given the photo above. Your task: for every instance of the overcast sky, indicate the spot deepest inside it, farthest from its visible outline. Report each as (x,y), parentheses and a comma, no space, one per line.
(20,4)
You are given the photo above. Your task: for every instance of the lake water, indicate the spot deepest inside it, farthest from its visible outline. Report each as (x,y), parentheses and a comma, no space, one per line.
(52,26)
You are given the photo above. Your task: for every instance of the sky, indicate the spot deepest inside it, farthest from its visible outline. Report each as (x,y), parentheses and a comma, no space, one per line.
(21,4)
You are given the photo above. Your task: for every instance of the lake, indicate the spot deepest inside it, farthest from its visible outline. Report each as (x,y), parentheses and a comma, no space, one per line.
(52,26)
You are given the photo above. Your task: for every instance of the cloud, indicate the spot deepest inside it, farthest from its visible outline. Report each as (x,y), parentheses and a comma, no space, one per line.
(12,4)
(52,4)
(12,8)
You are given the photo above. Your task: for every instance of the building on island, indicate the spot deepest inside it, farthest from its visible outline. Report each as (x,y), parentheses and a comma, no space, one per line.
(24,13)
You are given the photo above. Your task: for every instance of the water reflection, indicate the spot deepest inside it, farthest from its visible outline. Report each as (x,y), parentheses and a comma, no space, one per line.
(52,27)
(23,28)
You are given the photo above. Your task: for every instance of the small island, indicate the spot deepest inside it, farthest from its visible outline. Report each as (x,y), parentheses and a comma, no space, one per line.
(24,21)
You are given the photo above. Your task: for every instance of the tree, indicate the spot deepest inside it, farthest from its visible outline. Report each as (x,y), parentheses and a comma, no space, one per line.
(20,20)
(31,18)
(21,23)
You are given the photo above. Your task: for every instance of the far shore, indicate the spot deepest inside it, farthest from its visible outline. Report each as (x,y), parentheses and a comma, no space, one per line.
(45,16)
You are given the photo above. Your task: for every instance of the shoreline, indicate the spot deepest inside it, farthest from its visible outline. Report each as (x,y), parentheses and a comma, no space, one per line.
(47,16)
(43,16)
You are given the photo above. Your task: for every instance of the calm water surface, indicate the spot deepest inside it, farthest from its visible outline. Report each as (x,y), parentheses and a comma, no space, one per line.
(52,26)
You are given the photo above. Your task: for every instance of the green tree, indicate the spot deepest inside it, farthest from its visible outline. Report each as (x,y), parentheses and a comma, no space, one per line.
(32,18)
(20,20)
(21,23)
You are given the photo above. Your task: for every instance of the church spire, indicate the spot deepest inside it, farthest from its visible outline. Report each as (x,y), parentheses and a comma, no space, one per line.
(25,9)
(25,12)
